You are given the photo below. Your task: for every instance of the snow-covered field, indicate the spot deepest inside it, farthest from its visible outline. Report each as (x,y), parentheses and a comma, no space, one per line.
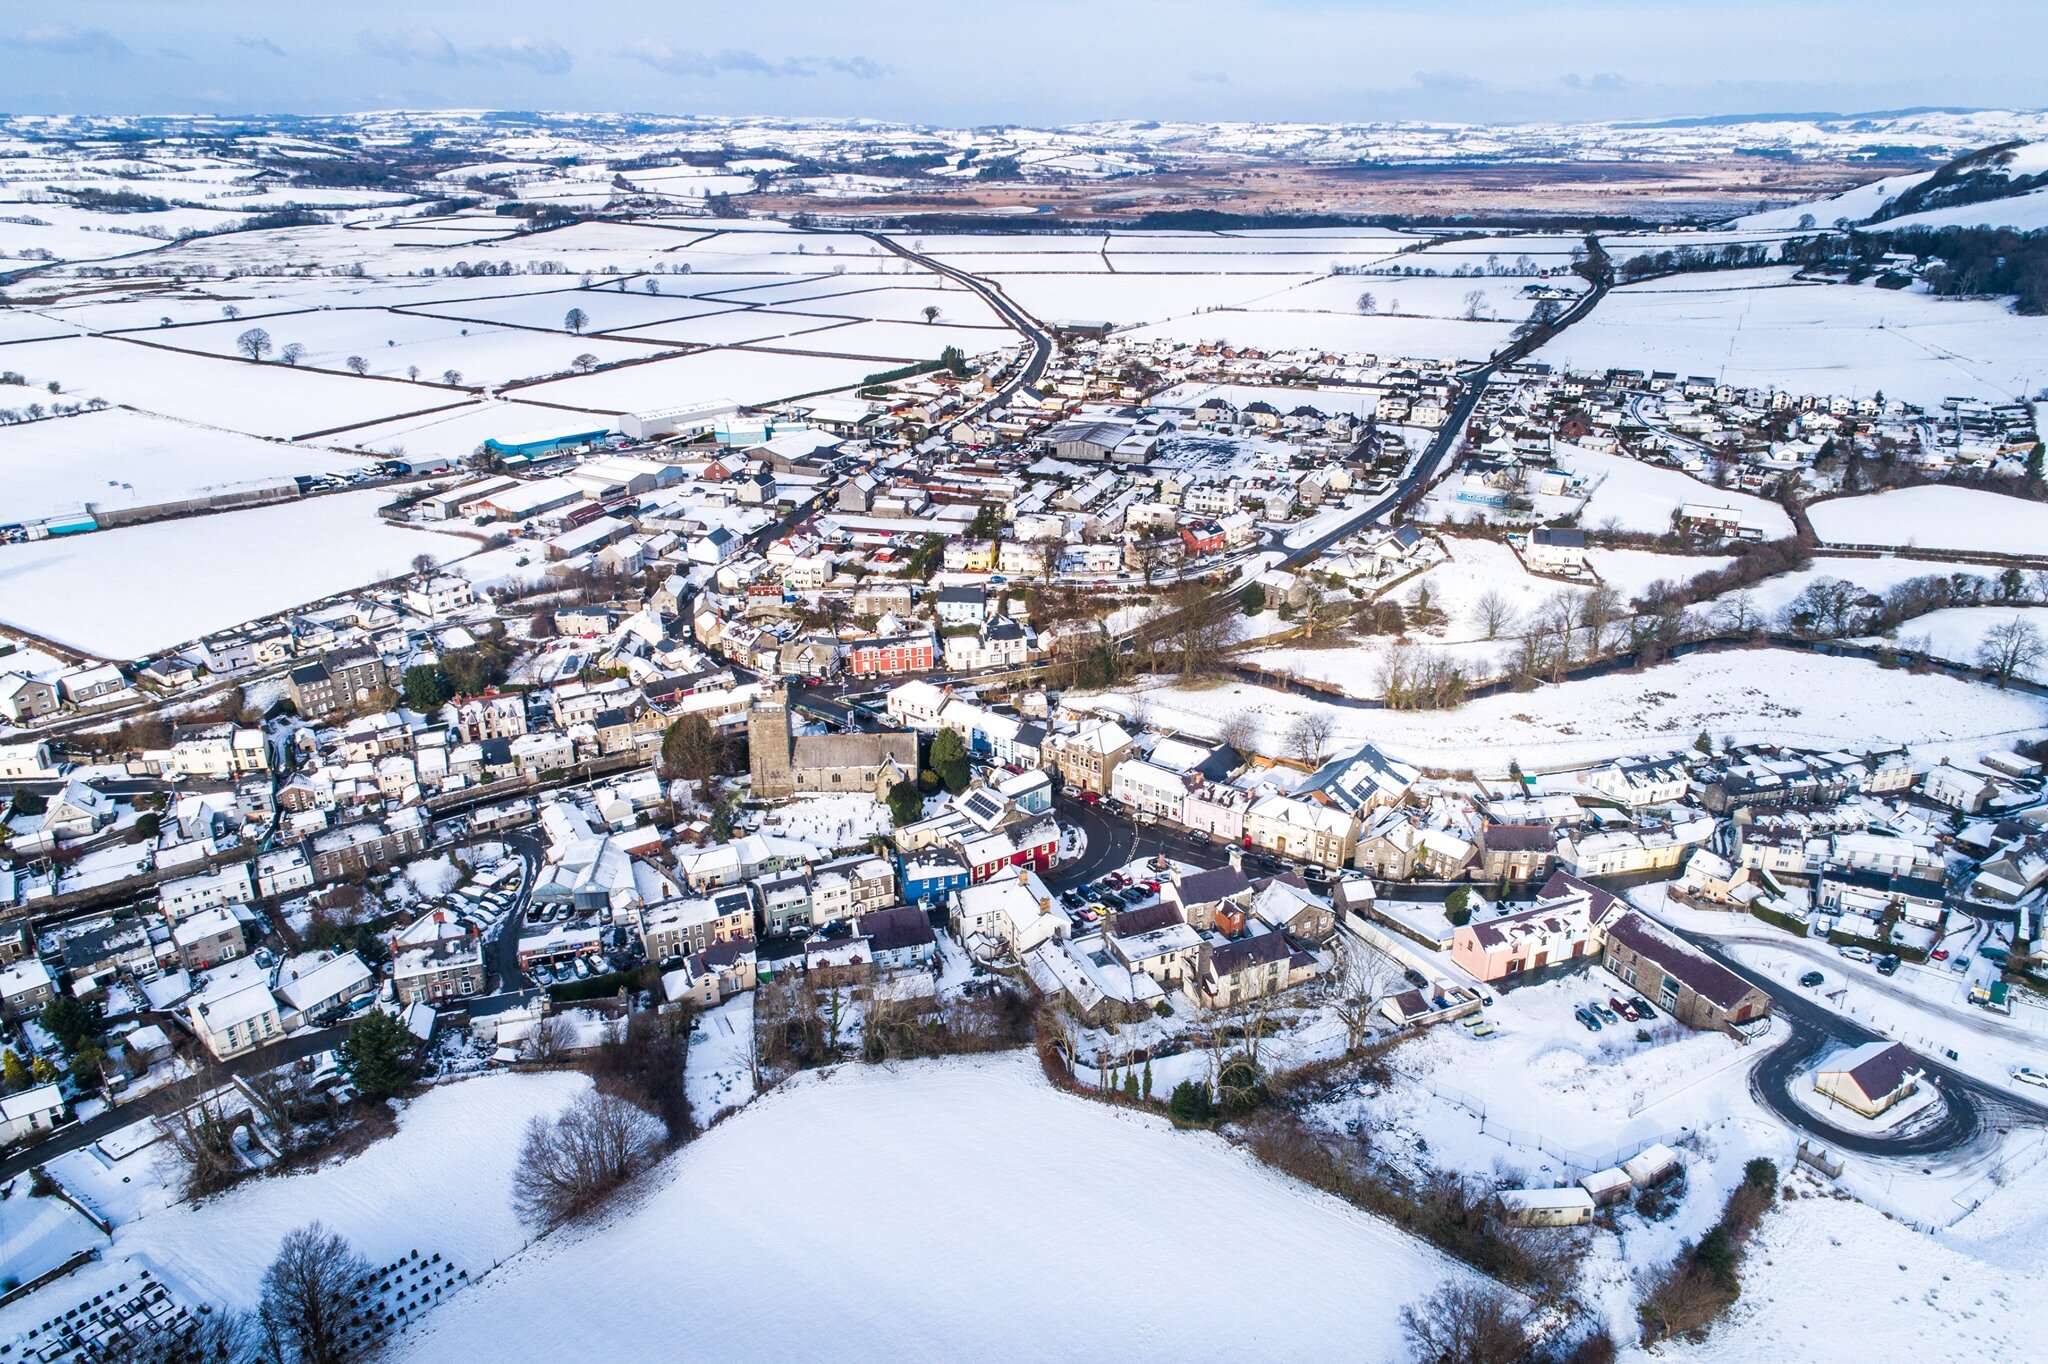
(1761,695)
(442,1184)
(1957,633)
(1758,328)
(1934,517)
(117,458)
(948,1209)
(1426,338)
(125,593)
(1643,497)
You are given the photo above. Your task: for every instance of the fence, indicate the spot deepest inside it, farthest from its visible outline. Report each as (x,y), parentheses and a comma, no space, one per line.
(1584,1162)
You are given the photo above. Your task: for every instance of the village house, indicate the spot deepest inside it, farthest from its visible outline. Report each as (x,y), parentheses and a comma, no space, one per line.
(1686,983)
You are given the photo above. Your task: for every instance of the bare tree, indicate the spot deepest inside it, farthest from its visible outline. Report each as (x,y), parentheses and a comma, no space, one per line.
(576,320)
(1368,304)
(584,363)
(2010,650)
(221,1336)
(230,312)
(1600,609)
(308,1308)
(550,1041)
(1475,305)
(931,312)
(1240,730)
(451,377)
(254,343)
(1467,1323)
(292,353)
(1737,613)
(571,1164)
(653,286)
(423,564)
(357,364)
(412,372)
(1360,979)
(1493,613)
(1562,614)
(1310,734)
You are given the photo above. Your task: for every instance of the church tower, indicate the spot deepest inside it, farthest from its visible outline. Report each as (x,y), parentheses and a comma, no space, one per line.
(768,748)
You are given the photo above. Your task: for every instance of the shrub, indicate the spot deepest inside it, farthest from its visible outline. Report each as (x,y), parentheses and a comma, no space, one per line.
(1190,1102)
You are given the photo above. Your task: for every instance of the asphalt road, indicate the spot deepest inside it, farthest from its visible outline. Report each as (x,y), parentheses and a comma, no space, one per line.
(160,1100)
(1973,1109)
(1034,331)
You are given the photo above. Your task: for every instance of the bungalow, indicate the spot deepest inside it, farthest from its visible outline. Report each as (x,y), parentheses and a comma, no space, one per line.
(1871,1078)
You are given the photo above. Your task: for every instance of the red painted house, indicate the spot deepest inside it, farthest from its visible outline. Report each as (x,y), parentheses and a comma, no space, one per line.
(1034,843)
(887,655)
(1202,537)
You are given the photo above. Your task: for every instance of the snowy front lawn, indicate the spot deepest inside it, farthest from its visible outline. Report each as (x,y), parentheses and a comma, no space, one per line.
(926,1211)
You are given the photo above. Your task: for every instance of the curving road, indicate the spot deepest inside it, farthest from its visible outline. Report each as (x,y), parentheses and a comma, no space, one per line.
(1972,1108)
(1033,330)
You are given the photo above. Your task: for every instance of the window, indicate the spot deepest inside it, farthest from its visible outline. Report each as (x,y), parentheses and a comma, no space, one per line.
(1669,994)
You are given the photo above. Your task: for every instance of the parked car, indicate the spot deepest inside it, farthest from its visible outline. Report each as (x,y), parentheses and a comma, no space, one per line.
(1888,964)
(1813,980)
(2027,1075)
(1089,798)
(1416,978)
(1590,1019)
(1855,953)
(1605,1012)
(1939,954)
(1643,1009)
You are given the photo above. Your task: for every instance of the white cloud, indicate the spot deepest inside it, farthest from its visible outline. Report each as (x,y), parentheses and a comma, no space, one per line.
(431,47)
(729,61)
(71,41)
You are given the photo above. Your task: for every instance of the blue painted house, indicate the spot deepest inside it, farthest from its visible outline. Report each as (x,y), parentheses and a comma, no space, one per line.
(929,876)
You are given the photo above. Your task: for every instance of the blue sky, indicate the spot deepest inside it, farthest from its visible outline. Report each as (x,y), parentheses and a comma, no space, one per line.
(1029,61)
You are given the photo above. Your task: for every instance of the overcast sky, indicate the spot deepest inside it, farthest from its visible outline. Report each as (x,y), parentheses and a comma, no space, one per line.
(1029,61)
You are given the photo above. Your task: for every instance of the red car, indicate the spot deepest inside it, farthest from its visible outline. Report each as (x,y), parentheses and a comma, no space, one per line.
(1089,798)
(1939,954)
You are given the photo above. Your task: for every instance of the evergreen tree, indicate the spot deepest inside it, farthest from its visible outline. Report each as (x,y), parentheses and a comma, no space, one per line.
(905,804)
(72,1022)
(381,1055)
(1148,1079)
(425,688)
(949,760)
(14,1070)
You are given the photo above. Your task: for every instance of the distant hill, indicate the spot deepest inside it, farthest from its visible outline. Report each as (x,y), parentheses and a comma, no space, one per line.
(2005,185)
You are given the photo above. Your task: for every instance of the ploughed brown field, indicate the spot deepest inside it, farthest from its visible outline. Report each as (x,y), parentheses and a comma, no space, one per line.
(1646,189)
